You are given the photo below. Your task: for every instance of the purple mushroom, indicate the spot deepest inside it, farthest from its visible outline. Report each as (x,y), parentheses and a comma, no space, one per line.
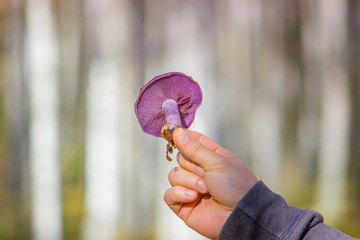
(166,102)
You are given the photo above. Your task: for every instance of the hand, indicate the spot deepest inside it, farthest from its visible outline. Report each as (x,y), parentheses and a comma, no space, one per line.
(208,184)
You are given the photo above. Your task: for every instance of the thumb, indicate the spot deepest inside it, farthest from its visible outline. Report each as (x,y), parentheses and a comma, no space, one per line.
(194,150)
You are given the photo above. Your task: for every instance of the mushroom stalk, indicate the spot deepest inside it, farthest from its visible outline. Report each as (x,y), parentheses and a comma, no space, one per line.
(173,120)
(172,115)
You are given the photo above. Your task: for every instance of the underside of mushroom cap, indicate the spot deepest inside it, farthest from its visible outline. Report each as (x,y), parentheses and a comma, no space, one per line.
(174,85)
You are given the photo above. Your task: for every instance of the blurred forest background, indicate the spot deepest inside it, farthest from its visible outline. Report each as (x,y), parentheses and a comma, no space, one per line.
(281,86)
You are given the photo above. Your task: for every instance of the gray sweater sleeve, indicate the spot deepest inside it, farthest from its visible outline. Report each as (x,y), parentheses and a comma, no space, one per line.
(262,214)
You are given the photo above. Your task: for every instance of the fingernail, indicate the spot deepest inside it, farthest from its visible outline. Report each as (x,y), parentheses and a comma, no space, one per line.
(190,193)
(201,185)
(200,171)
(183,135)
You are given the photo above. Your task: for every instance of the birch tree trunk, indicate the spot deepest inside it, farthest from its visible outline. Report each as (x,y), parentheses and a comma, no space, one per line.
(335,114)
(44,134)
(103,190)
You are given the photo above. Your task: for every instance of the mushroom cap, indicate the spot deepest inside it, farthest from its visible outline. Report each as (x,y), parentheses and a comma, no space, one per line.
(173,85)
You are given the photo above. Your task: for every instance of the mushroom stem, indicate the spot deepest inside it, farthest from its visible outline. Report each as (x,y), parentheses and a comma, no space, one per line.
(172,115)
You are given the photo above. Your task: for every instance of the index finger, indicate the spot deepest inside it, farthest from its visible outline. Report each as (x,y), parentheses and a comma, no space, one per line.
(209,143)
(194,150)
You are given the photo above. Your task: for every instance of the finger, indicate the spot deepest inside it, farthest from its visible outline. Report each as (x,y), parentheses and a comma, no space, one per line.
(185,163)
(176,196)
(194,150)
(209,143)
(181,177)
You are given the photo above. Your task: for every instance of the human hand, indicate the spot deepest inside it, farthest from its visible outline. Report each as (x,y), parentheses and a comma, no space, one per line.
(209,183)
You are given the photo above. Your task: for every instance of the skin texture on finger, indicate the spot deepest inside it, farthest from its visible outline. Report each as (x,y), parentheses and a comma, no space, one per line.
(181,177)
(187,164)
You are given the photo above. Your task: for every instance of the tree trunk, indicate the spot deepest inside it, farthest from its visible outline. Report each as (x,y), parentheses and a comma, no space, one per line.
(103,148)
(44,135)
(331,194)
(17,118)
(354,69)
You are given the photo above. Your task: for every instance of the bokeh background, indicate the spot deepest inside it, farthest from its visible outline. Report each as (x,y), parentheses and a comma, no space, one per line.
(281,86)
